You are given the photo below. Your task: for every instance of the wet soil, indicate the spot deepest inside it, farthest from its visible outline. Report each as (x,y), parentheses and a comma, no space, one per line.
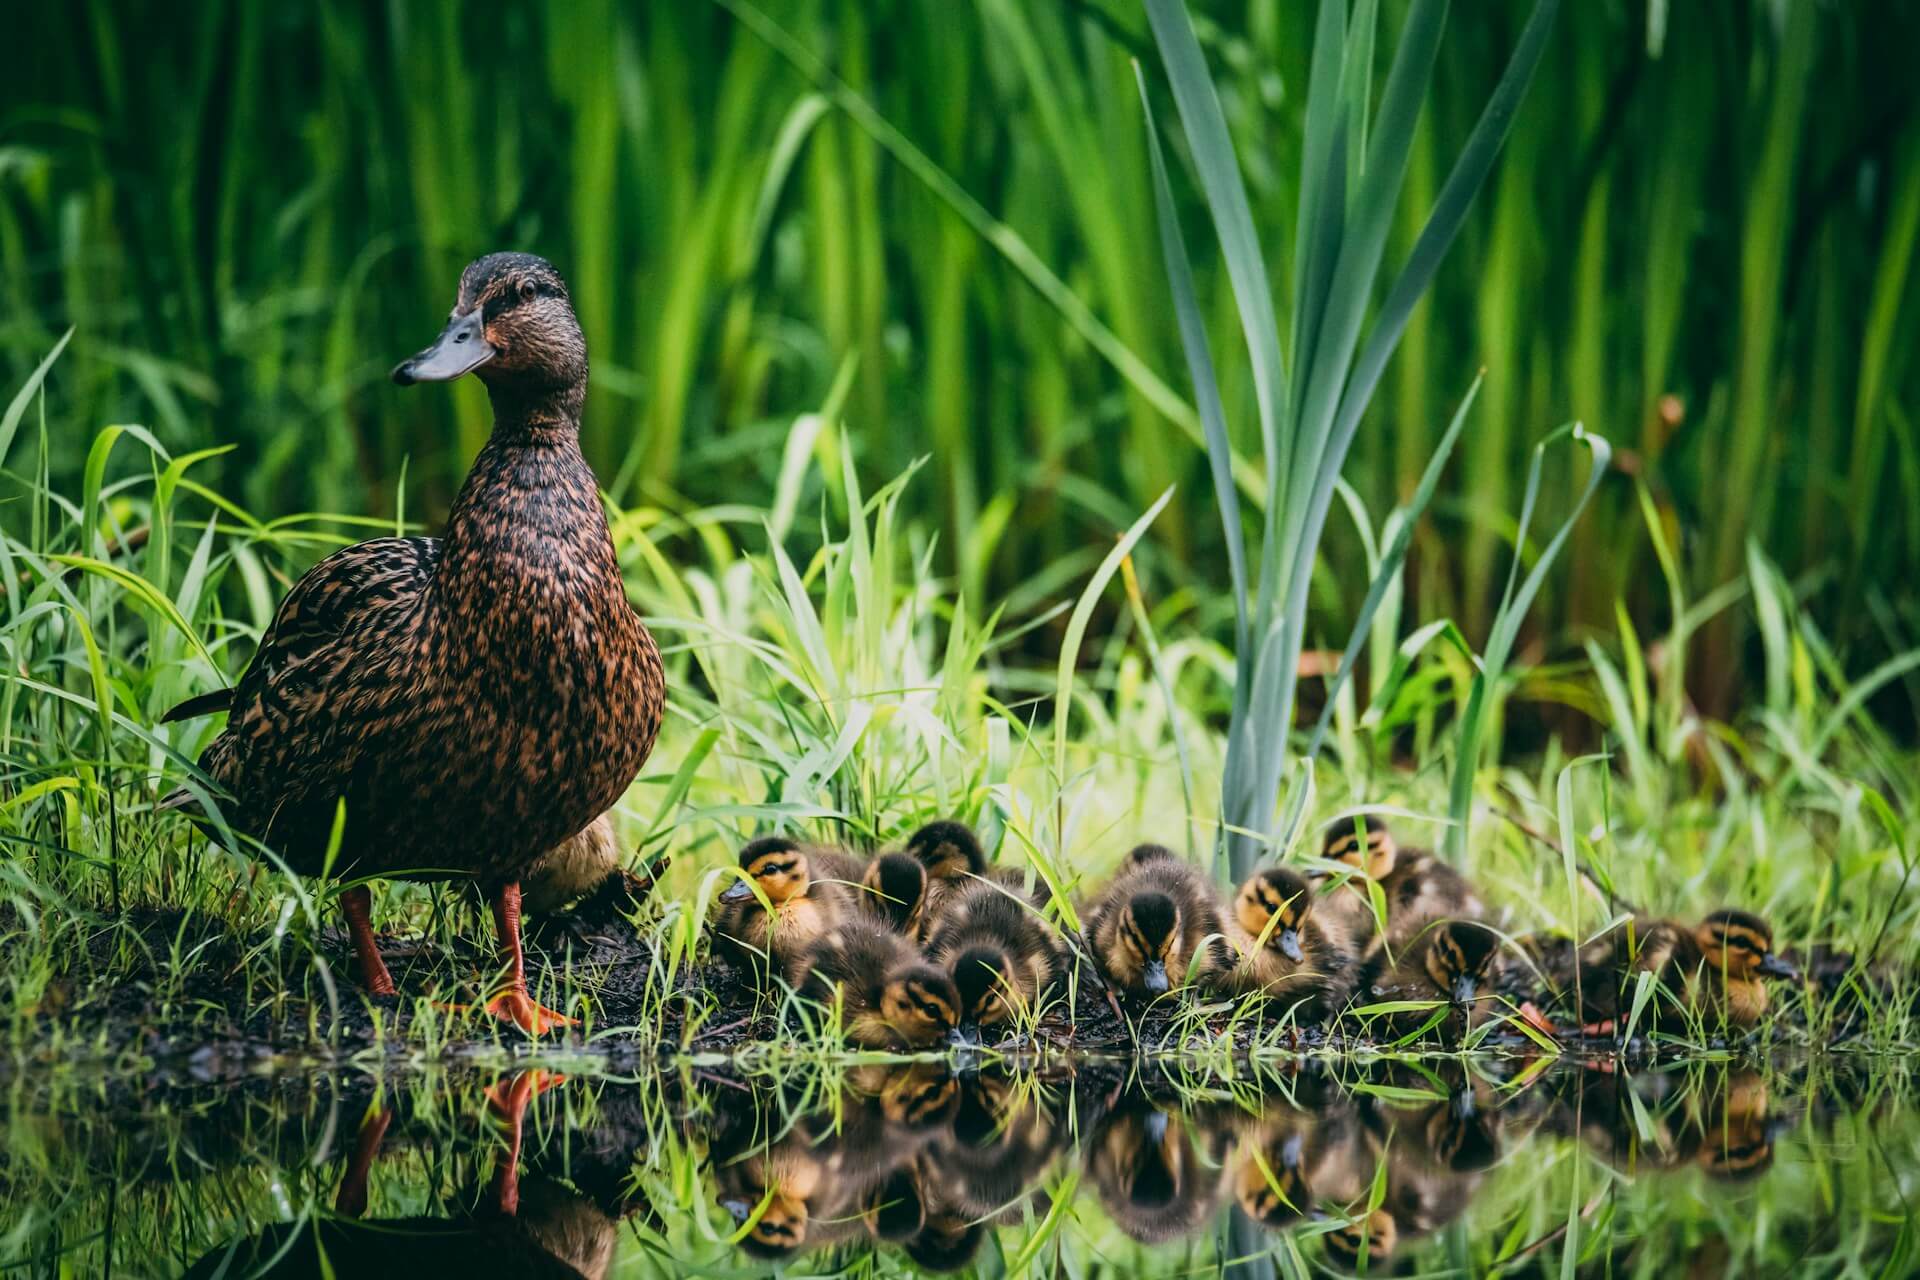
(223,1014)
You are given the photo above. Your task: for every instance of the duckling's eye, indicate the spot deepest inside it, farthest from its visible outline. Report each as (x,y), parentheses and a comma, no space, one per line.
(527,290)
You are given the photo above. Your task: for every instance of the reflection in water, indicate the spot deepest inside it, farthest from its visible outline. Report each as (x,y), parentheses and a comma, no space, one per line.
(1375,1168)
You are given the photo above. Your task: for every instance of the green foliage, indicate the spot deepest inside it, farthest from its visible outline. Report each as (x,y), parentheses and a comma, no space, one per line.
(1699,244)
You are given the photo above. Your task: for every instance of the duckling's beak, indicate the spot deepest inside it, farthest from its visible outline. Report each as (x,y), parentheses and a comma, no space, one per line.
(461,348)
(1775,967)
(736,891)
(1155,978)
(966,1037)
(738,1210)
(1289,943)
(1463,988)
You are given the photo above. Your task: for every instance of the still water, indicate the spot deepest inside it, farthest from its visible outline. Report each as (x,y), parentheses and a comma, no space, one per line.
(1075,1168)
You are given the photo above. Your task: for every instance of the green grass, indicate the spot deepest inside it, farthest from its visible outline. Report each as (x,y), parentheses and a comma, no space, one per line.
(962,204)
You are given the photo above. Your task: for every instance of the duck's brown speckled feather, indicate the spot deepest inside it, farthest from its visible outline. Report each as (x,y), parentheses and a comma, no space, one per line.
(475,699)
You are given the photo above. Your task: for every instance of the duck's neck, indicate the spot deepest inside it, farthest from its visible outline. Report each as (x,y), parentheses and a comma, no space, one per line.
(530,415)
(529,515)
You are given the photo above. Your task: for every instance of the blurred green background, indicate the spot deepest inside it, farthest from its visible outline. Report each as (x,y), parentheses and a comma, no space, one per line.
(1700,241)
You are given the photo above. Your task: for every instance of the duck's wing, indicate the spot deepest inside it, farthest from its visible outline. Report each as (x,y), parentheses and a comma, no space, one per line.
(314,668)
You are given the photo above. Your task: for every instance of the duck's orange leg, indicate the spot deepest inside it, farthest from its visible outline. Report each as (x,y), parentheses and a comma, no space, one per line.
(357,904)
(509,1099)
(514,1004)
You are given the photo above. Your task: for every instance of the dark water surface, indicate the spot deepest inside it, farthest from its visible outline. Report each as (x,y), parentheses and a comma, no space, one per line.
(1437,1166)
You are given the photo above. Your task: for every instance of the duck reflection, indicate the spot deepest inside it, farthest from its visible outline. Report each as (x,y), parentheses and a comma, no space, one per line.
(522,1223)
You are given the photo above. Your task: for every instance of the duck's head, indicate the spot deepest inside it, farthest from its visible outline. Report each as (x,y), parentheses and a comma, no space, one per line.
(1281,897)
(1145,953)
(512,325)
(1458,957)
(1364,844)
(1740,945)
(919,1003)
(777,865)
(898,885)
(982,978)
(948,850)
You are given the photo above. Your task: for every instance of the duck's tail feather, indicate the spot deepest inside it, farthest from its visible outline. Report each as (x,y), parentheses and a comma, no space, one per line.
(205,704)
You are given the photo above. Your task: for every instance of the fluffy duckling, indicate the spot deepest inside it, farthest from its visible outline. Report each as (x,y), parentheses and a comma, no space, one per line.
(954,859)
(893,889)
(890,996)
(1002,958)
(1713,970)
(1450,961)
(1288,949)
(807,893)
(1417,886)
(1153,920)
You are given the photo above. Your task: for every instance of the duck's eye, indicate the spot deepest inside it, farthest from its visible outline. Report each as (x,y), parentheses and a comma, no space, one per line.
(527,290)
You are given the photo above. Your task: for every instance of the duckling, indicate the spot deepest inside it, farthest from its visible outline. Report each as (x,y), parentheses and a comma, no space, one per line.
(580,886)
(1001,957)
(1152,921)
(1288,949)
(1449,961)
(890,996)
(952,855)
(807,890)
(1418,887)
(893,888)
(1712,971)
(467,701)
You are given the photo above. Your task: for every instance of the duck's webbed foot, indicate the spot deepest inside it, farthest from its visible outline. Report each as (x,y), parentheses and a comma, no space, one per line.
(514,1004)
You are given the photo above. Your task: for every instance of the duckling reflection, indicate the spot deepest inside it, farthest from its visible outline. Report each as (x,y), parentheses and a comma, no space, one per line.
(1437,1153)
(1302,1153)
(831,1178)
(523,1224)
(986,1169)
(1159,1174)
(1719,1122)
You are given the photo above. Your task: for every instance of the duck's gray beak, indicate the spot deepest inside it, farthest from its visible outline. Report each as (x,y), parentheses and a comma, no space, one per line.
(736,891)
(1463,989)
(1289,940)
(738,1210)
(461,348)
(1775,967)
(1155,978)
(967,1037)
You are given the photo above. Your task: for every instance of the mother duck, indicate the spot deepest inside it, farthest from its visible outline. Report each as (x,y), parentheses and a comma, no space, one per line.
(474,699)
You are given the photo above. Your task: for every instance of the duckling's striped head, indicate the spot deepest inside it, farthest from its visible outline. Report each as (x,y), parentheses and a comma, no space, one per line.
(513,325)
(920,1004)
(1363,843)
(1277,1201)
(948,850)
(1147,940)
(1740,945)
(897,885)
(777,865)
(1459,953)
(1274,903)
(983,979)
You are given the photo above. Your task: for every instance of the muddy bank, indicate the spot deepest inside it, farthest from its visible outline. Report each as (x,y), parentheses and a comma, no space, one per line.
(236,1004)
